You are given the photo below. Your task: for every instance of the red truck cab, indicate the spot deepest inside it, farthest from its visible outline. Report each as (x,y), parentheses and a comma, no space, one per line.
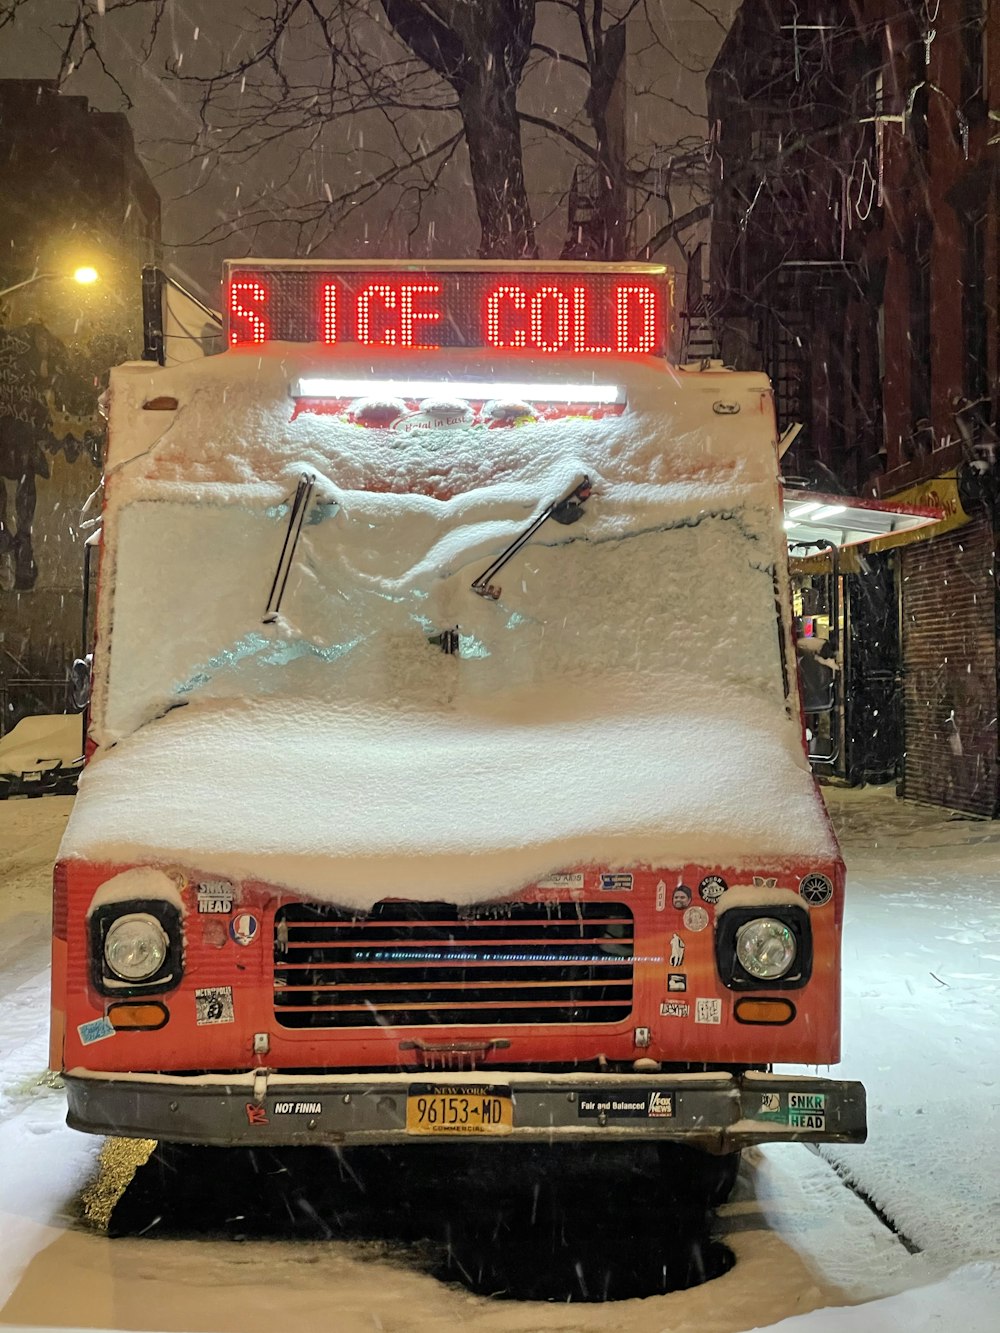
(448,772)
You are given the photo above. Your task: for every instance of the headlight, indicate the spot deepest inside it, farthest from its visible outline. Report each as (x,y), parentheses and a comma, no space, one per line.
(765,948)
(135,947)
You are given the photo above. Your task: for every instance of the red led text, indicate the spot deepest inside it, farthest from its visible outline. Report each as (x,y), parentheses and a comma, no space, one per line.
(581,315)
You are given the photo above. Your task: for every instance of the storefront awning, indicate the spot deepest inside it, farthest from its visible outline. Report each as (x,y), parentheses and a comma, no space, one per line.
(845,520)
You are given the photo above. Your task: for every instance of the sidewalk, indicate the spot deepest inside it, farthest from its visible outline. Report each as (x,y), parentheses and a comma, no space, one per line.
(922,1018)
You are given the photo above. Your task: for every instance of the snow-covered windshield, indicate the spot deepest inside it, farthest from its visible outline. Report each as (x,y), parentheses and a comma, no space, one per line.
(662,595)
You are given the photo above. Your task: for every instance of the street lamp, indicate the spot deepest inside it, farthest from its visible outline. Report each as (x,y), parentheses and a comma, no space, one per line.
(84,275)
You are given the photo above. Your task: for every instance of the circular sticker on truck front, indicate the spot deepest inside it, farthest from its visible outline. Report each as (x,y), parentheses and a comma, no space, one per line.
(816,890)
(243,928)
(696,918)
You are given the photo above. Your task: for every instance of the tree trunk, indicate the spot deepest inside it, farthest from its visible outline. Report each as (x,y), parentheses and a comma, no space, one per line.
(493,137)
(481,47)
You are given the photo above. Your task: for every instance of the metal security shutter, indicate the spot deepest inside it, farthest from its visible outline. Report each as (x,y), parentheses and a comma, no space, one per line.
(950,670)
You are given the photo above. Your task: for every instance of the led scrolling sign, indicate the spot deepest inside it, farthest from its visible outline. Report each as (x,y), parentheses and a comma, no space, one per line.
(596,313)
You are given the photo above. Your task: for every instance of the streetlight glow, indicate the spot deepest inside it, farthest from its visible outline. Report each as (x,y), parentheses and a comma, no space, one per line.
(85,275)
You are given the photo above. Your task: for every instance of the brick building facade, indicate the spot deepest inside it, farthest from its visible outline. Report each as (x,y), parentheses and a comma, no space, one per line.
(855,256)
(73,192)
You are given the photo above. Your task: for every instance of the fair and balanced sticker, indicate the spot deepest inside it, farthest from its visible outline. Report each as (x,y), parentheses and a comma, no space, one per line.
(638,1104)
(214,1004)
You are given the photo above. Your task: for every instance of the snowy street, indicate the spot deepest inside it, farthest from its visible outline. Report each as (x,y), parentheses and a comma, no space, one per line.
(224,1251)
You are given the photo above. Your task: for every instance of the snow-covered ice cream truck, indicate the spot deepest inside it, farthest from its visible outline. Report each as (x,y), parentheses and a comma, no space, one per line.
(447,773)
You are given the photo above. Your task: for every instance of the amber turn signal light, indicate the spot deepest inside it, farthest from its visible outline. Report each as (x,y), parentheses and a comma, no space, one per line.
(137,1017)
(777,1012)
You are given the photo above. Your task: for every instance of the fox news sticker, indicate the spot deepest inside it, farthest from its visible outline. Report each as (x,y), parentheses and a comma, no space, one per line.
(243,928)
(214,1005)
(660,1104)
(96,1030)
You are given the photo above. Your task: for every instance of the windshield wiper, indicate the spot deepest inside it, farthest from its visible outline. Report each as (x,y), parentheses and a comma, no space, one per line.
(567,510)
(303,493)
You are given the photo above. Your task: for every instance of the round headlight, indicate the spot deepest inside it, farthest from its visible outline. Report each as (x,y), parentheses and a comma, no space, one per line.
(766,948)
(136,947)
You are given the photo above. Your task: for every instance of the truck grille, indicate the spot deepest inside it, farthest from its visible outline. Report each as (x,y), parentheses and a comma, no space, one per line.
(410,964)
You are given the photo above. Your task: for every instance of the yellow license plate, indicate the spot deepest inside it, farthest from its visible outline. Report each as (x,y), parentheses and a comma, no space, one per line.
(433,1109)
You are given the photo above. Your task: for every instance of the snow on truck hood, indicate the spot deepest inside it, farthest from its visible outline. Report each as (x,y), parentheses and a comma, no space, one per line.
(354,806)
(619,704)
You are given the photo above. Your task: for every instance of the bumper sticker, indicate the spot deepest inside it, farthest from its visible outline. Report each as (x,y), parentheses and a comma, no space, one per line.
(642,1104)
(771,1108)
(681,897)
(674,1009)
(677,982)
(708,1011)
(297,1108)
(807,1101)
(676,950)
(806,1120)
(616,882)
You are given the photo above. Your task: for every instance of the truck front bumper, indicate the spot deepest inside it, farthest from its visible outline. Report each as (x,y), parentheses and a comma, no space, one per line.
(718,1112)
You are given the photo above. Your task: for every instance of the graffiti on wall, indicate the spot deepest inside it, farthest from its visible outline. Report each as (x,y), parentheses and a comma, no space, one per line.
(48,406)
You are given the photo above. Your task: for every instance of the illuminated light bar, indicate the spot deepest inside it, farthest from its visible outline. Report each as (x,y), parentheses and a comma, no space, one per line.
(800,511)
(827,511)
(568,310)
(475,390)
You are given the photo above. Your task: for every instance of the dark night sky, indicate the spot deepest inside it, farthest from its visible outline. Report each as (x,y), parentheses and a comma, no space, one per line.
(197,197)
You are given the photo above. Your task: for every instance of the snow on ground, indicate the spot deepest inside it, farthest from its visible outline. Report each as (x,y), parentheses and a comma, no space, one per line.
(922,1029)
(922,1019)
